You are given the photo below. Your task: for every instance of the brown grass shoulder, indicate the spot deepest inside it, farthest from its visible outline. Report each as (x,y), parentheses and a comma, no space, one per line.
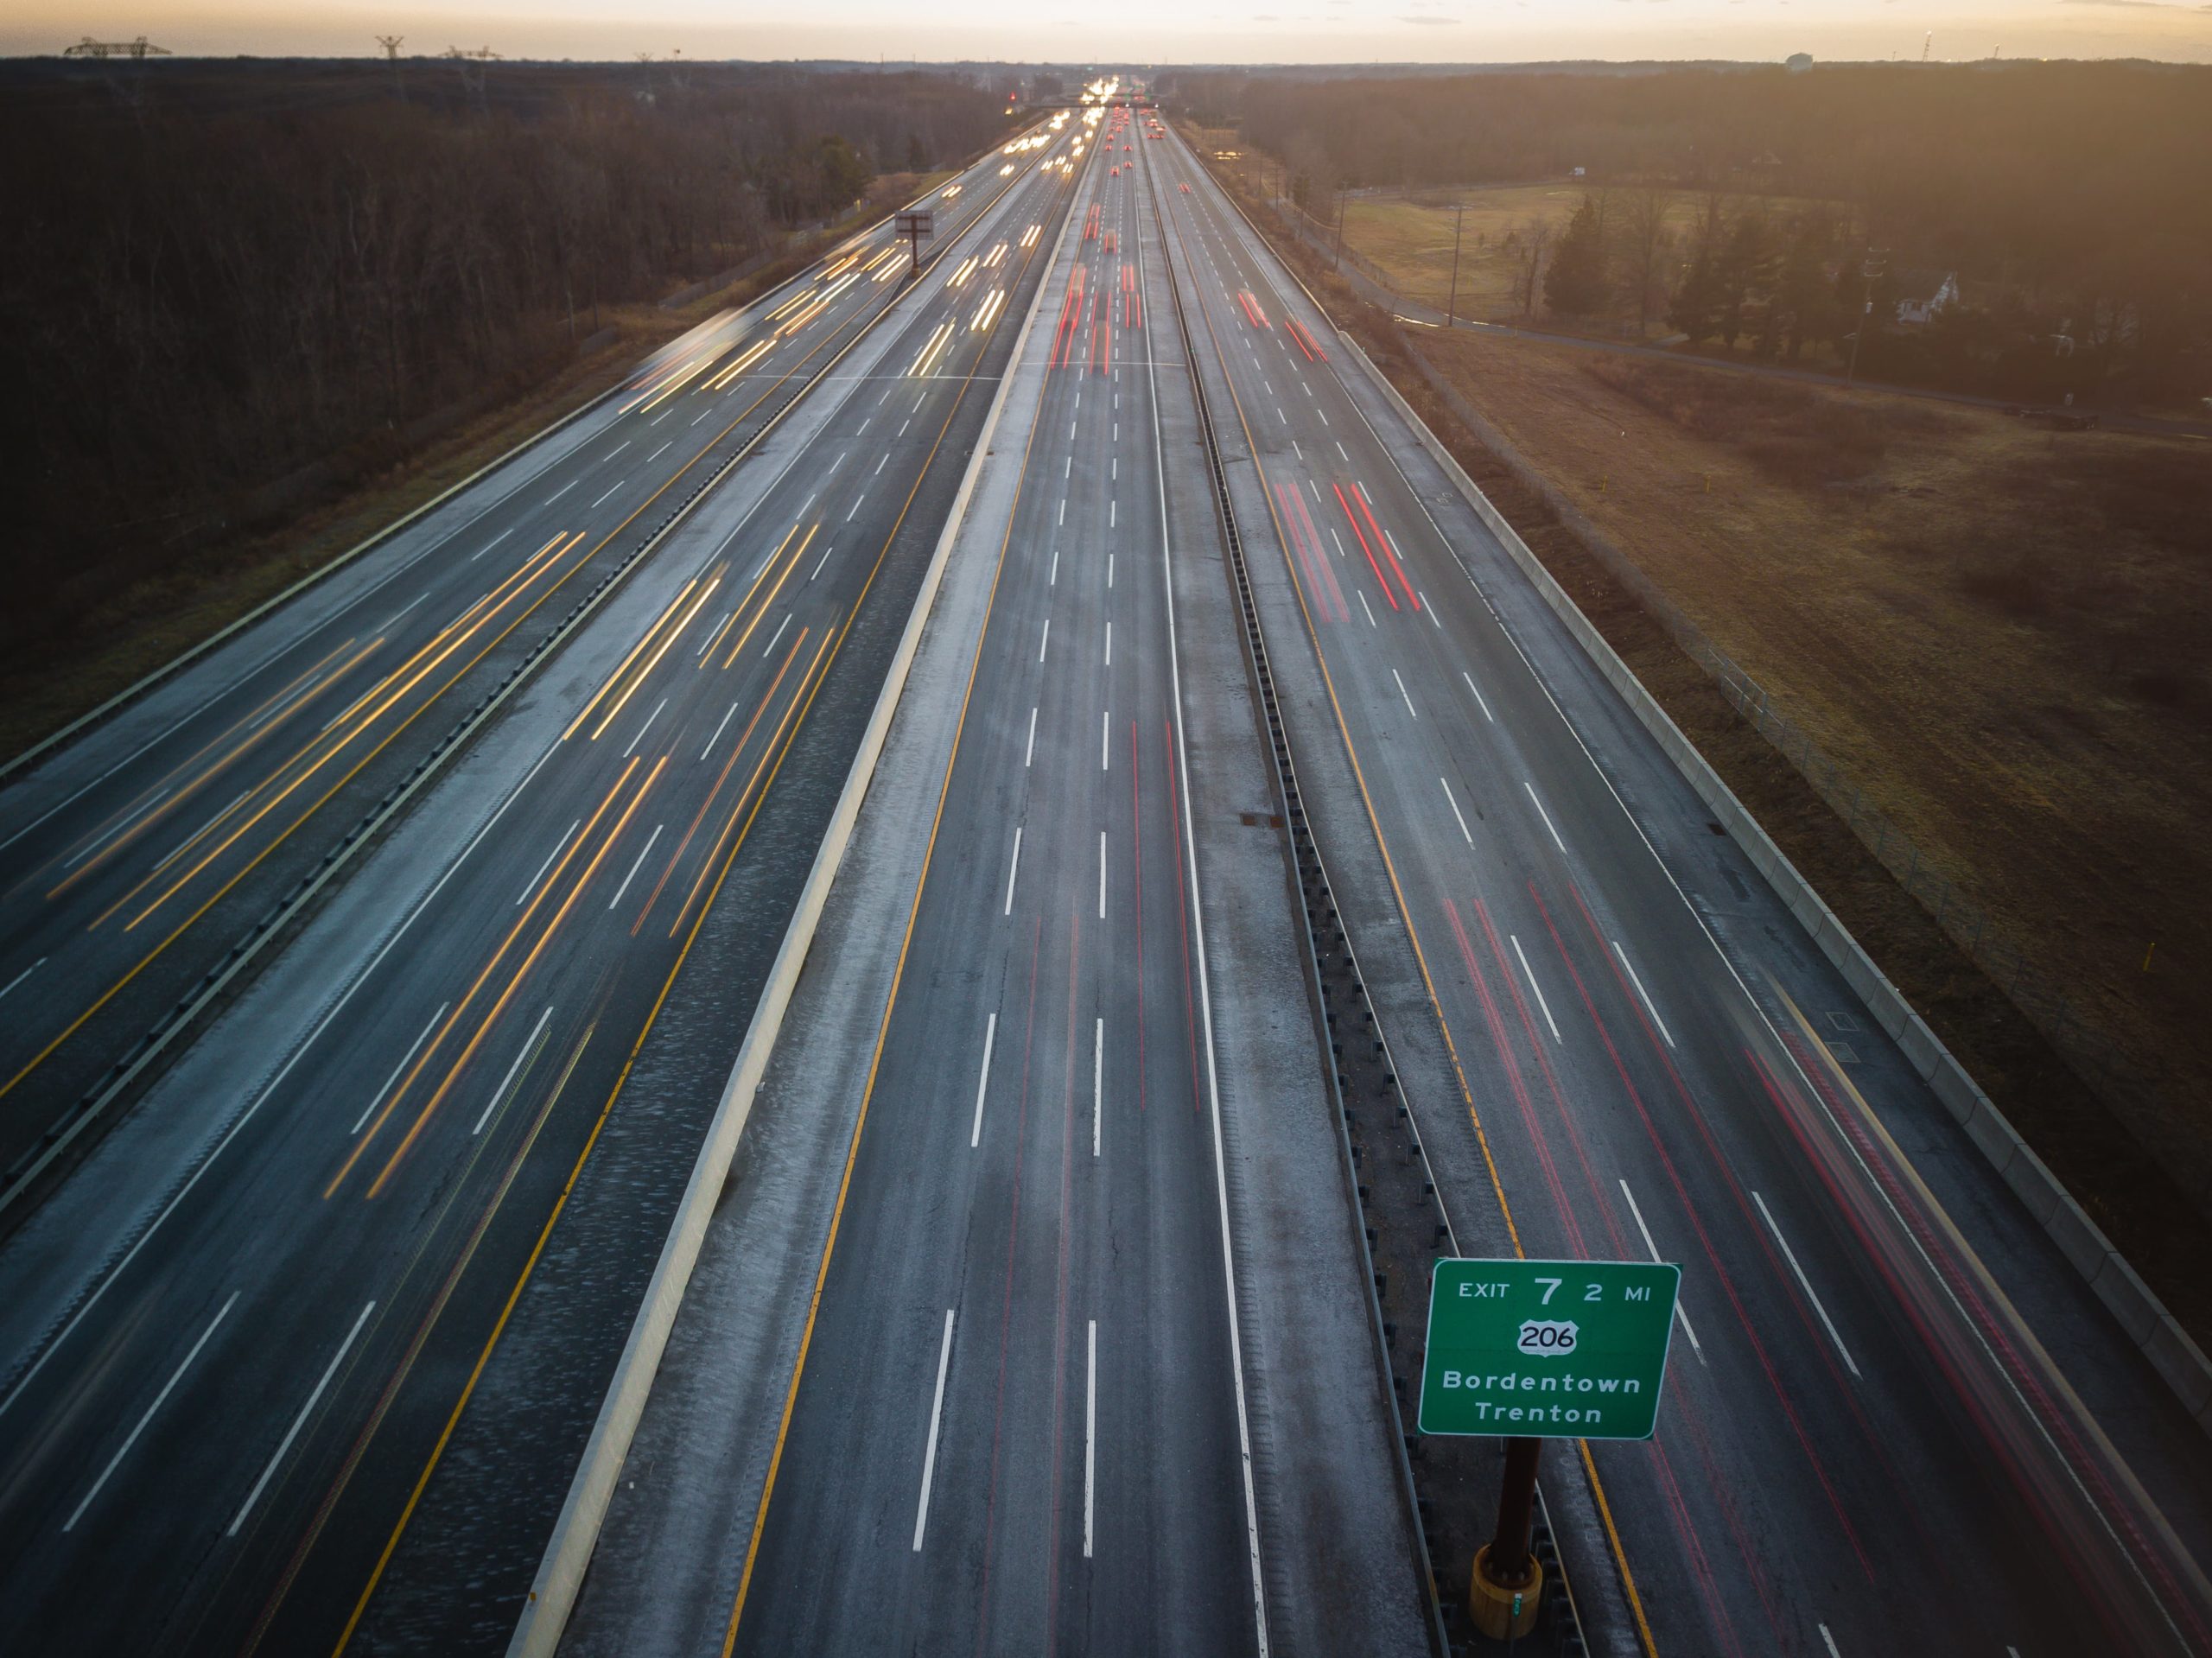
(1994,629)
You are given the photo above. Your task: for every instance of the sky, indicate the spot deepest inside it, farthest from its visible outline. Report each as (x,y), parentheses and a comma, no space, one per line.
(1141,31)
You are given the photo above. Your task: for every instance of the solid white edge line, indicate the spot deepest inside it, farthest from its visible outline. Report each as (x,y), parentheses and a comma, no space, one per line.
(1205,1015)
(1790,1255)
(160,1399)
(929,1456)
(1530,973)
(983,1080)
(298,1422)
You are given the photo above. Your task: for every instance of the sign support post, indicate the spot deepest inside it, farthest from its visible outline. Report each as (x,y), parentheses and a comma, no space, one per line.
(1507,1586)
(915,224)
(1527,1350)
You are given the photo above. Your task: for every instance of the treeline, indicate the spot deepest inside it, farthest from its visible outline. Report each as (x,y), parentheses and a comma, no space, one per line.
(200,301)
(2071,198)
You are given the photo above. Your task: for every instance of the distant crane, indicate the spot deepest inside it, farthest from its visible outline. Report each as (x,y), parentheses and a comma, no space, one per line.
(1929,40)
(89,47)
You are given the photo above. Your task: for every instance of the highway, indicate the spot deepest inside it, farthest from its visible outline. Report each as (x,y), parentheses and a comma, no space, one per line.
(1004,1147)
(242,1335)
(1894,1419)
(1032,1242)
(1037,1317)
(139,856)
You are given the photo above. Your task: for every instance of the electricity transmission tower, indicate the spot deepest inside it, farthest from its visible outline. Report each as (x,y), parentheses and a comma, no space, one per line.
(391,44)
(474,84)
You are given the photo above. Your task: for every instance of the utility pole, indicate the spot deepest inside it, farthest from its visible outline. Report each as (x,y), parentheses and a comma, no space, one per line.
(1452,305)
(1342,185)
(1869,267)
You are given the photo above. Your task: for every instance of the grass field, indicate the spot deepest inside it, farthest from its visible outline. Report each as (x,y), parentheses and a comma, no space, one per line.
(1408,239)
(1991,628)
(151,622)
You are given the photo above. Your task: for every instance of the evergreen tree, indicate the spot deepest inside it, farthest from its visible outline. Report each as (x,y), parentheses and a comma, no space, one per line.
(1697,305)
(1744,273)
(1803,303)
(1575,285)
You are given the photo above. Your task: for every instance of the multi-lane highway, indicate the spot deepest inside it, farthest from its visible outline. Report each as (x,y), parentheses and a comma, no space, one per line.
(242,1335)
(1032,1239)
(1631,1051)
(1045,1401)
(303,1331)
(139,857)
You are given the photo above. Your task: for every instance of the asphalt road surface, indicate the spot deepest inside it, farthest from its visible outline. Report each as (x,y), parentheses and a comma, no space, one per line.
(1895,1418)
(139,856)
(243,1333)
(1020,1423)
(304,1346)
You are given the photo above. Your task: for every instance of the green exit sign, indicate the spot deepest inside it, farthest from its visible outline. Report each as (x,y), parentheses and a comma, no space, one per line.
(1572,1350)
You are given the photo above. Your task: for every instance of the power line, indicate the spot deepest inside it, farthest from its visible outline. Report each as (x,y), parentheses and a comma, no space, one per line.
(89,47)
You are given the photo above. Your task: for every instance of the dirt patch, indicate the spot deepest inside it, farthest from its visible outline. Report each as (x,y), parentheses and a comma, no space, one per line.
(1950,627)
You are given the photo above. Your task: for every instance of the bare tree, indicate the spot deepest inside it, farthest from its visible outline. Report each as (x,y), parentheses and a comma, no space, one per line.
(1305,158)
(1644,240)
